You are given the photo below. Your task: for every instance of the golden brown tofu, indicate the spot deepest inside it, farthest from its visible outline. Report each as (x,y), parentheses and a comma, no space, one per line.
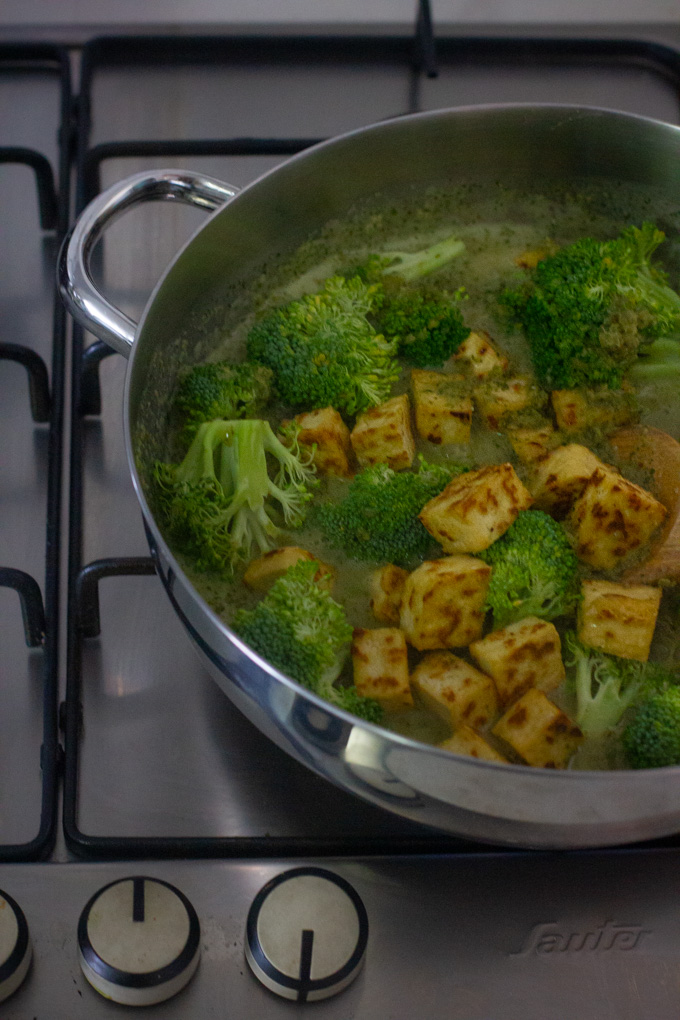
(475,508)
(538,731)
(522,655)
(443,602)
(576,410)
(382,435)
(443,411)
(613,518)
(325,430)
(468,742)
(261,573)
(479,355)
(496,399)
(456,691)
(558,479)
(387,588)
(618,619)
(380,661)
(530,259)
(531,444)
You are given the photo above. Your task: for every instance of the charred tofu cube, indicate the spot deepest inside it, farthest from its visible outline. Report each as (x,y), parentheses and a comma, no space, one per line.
(472,744)
(380,660)
(443,410)
(456,691)
(261,573)
(522,655)
(498,398)
(383,435)
(387,588)
(475,508)
(618,619)
(576,410)
(327,432)
(531,444)
(479,355)
(443,602)
(612,518)
(538,731)
(558,479)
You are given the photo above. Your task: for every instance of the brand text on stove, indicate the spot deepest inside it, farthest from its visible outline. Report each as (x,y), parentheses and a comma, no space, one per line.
(550,937)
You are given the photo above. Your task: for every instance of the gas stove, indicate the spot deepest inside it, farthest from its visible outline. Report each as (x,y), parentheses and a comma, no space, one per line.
(130,786)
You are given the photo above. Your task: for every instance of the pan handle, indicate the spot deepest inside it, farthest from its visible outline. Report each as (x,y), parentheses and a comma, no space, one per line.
(80,295)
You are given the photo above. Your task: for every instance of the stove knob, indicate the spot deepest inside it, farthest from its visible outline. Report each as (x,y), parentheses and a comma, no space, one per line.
(138,941)
(306,934)
(15,946)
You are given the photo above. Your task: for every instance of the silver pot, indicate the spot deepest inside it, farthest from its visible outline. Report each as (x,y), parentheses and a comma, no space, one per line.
(497,803)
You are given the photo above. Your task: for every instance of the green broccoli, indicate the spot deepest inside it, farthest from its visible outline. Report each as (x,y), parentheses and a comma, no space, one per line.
(593,310)
(217,504)
(323,350)
(377,521)
(425,320)
(221,390)
(299,629)
(535,571)
(652,739)
(605,686)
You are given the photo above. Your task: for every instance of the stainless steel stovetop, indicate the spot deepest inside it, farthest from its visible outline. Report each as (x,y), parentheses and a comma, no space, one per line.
(153,772)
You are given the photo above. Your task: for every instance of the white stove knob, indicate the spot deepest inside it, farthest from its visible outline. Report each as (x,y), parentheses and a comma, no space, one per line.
(306,934)
(139,941)
(15,946)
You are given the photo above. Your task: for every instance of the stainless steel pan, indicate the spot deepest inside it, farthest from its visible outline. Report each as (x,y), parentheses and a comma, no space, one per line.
(503,804)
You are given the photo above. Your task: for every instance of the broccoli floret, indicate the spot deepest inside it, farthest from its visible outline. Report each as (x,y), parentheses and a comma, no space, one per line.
(377,521)
(652,739)
(217,504)
(592,308)
(302,631)
(221,390)
(534,571)
(323,350)
(606,686)
(425,321)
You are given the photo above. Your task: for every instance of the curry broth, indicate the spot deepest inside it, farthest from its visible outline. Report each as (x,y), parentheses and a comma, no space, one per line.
(496,224)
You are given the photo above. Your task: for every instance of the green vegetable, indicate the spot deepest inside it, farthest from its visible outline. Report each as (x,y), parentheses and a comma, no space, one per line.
(218,504)
(323,350)
(299,629)
(377,521)
(221,390)
(535,571)
(652,739)
(592,308)
(606,686)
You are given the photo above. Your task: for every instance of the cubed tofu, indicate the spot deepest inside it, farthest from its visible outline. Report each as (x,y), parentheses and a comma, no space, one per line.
(380,660)
(327,432)
(522,655)
(530,444)
(475,508)
(443,602)
(558,479)
(495,399)
(576,410)
(443,410)
(612,518)
(618,619)
(383,435)
(538,731)
(479,355)
(456,691)
(261,573)
(472,744)
(530,259)
(387,588)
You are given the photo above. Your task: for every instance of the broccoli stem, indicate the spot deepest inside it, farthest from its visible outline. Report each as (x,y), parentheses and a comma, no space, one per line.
(412,265)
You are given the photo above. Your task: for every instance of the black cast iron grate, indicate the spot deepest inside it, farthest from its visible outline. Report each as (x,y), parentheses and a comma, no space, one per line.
(421,55)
